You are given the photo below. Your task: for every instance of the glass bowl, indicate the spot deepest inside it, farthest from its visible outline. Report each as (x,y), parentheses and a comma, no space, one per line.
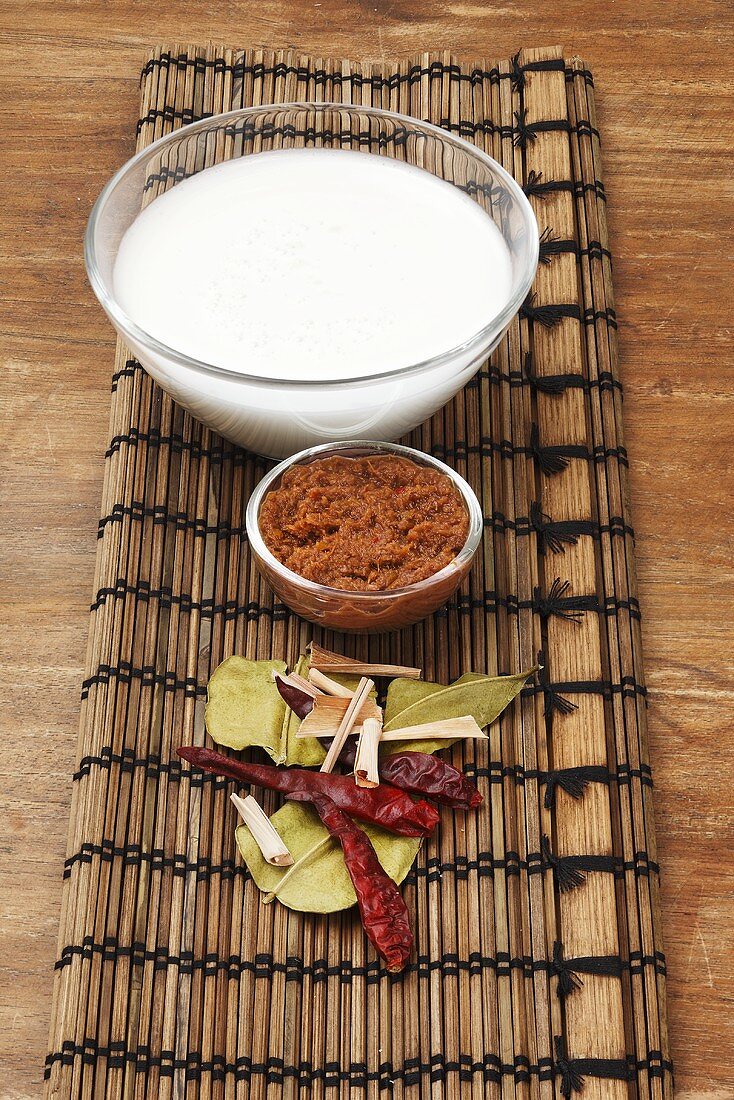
(276,417)
(362,612)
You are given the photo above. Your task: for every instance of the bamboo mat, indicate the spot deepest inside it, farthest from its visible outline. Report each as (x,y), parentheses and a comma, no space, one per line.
(538,966)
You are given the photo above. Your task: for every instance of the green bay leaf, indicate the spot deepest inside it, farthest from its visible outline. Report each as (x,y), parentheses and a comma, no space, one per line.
(411,703)
(244,707)
(318,881)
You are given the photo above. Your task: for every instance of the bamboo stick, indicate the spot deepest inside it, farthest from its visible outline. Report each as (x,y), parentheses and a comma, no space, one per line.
(620,587)
(587,914)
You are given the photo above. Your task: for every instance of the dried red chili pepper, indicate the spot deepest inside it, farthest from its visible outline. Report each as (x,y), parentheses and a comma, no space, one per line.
(382,909)
(300,703)
(420,773)
(384,805)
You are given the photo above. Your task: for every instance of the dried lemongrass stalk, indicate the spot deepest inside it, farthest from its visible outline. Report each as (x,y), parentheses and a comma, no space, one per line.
(449,728)
(306,685)
(326,661)
(328,713)
(266,836)
(354,706)
(328,686)
(296,681)
(366,772)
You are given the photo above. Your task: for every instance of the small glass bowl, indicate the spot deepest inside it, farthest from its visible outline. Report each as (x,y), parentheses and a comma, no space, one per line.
(362,612)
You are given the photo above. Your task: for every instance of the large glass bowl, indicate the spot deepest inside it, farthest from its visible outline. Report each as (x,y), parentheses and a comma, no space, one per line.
(277,417)
(362,612)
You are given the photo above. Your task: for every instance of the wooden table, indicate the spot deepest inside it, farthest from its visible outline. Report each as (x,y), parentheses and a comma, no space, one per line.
(70,99)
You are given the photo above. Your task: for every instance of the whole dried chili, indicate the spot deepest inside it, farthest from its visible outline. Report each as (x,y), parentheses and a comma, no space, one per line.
(385,805)
(420,773)
(382,909)
(300,703)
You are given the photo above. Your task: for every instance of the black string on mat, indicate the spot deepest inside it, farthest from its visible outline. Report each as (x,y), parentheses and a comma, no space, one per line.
(558,603)
(555,458)
(321,77)
(567,971)
(537,187)
(551,246)
(555,535)
(549,315)
(573,781)
(264,966)
(571,1071)
(571,871)
(490,1068)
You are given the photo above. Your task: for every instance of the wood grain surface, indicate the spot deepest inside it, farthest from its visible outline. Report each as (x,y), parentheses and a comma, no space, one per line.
(68,107)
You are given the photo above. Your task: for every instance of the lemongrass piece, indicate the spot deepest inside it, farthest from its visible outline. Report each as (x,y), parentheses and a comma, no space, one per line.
(326,661)
(296,681)
(364,687)
(366,772)
(450,728)
(264,833)
(306,685)
(327,713)
(327,685)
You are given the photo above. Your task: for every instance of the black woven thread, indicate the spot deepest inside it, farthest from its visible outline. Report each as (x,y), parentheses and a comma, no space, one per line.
(556,535)
(537,187)
(263,966)
(131,368)
(153,438)
(627,686)
(580,74)
(521,133)
(138,512)
(554,702)
(573,781)
(322,77)
(463,604)
(277,1072)
(152,765)
(555,458)
(571,871)
(483,865)
(595,250)
(607,316)
(548,384)
(220,453)
(126,673)
(551,246)
(437,1069)
(527,132)
(538,522)
(568,779)
(166,598)
(557,603)
(567,970)
(572,1071)
(549,315)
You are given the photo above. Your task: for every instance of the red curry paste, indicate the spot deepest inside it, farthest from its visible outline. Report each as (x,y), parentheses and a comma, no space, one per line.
(364,524)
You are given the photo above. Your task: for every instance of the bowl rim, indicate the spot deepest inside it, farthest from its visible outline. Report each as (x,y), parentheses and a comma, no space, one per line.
(355,596)
(134,333)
